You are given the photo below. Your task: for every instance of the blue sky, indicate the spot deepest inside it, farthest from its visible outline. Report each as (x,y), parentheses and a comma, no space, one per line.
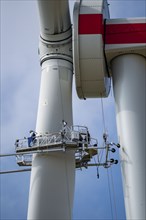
(20,80)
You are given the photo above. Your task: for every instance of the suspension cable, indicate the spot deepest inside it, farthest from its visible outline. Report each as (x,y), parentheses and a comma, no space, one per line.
(103,116)
(97,167)
(110,195)
(114,195)
(109,188)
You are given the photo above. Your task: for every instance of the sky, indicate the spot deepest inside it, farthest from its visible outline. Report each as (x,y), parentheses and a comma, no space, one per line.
(20,81)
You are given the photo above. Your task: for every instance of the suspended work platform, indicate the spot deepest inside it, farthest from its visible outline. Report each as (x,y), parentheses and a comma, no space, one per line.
(76,138)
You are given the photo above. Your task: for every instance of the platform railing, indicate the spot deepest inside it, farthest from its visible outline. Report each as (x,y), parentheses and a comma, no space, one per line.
(77,134)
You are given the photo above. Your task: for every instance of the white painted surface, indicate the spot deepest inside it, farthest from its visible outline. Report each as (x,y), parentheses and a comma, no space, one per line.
(114,50)
(53,174)
(55,102)
(55,21)
(129,81)
(91,74)
(52,187)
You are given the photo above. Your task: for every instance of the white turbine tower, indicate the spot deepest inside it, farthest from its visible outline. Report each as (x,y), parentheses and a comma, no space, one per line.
(116,47)
(53,174)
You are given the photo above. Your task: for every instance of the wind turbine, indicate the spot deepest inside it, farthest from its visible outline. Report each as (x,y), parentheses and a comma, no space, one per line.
(102,48)
(106,48)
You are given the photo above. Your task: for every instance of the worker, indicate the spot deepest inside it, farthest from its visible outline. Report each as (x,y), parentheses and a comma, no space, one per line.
(64,123)
(63,132)
(17,143)
(105,136)
(32,138)
(33,135)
